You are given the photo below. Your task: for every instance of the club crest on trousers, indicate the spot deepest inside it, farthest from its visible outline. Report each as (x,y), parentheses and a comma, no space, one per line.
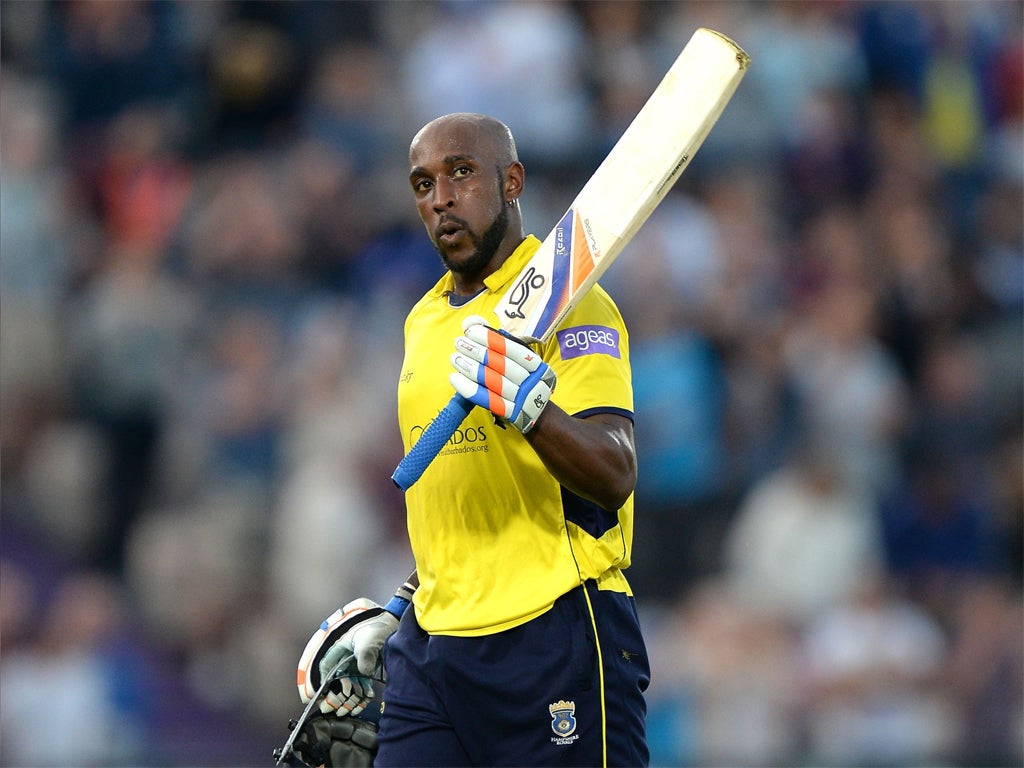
(563,720)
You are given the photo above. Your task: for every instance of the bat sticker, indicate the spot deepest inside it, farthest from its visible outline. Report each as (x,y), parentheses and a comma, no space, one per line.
(531,280)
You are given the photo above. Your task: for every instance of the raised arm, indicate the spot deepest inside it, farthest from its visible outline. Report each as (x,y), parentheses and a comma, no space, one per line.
(594,457)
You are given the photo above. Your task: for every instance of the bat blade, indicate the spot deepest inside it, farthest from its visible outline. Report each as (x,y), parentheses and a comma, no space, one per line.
(626,188)
(623,192)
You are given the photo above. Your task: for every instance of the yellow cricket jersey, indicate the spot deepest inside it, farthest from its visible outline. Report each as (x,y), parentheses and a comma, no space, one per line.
(496,539)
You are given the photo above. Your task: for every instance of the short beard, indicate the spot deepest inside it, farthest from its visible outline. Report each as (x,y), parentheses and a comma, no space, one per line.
(486,246)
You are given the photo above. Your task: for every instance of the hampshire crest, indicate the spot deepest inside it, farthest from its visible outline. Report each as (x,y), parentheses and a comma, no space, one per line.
(563,720)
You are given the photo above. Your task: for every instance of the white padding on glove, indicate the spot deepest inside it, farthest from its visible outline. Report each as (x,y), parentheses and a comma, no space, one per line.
(356,632)
(501,374)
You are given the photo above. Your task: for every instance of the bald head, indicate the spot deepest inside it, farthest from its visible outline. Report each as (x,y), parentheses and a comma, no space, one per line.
(488,134)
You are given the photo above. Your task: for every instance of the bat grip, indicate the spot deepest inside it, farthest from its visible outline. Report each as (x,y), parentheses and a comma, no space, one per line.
(431,442)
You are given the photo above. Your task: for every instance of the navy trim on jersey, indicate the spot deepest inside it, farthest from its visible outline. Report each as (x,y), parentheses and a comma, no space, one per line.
(588,515)
(457,300)
(594,411)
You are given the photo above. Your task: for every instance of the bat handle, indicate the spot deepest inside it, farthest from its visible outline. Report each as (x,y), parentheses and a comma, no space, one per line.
(431,442)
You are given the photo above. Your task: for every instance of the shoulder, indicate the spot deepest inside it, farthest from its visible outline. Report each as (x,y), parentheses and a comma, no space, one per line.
(596,308)
(415,312)
(602,301)
(437,293)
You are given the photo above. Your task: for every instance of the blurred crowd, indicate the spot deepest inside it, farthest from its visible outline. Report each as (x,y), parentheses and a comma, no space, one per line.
(207,249)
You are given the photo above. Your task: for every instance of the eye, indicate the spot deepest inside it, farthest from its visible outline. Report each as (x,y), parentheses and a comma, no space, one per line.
(421,185)
(462,171)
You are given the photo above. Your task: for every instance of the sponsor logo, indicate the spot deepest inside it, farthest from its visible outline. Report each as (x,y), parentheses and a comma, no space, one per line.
(563,721)
(465,439)
(531,280)
(588,340)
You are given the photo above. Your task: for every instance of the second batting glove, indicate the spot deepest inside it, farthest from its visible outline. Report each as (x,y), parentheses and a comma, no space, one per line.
(356,633)
(500,373)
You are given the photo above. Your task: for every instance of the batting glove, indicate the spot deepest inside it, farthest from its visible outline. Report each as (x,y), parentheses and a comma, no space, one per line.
(500,373)
(356,632)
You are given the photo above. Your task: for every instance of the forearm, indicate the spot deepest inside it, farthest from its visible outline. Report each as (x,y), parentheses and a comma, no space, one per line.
(593,458)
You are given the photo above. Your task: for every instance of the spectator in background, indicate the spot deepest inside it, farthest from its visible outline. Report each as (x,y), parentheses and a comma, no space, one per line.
(324,485)
(824,165)
(728,690)
(847,382)
(803,538)
(985,672)
(128,334)
(238,241)
(998,268)
(748,322)
(243,398)
(941,521)
(343,185)
(107,57)
(71,693)
(874,693)
(940,530)
(130,324)
(624,63)
(346,103)
(911,245)
(38,241)
(796,33)
(535,85)
(35,196)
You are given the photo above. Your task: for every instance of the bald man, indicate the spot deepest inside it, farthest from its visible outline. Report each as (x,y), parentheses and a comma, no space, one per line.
(523,645)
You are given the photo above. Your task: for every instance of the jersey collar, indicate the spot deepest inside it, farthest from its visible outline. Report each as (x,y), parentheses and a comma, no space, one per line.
(501,277)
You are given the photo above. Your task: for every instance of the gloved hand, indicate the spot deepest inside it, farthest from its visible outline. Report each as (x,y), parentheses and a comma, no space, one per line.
(330,742)
(501,374)
(356,631)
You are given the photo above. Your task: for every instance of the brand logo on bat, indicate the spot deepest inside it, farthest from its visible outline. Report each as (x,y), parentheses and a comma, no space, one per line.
(530,281)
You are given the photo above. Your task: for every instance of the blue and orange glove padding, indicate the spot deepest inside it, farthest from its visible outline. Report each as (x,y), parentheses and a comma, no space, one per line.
(500,373)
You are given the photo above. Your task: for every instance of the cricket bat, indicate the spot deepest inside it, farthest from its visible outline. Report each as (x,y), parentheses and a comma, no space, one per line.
(623,192)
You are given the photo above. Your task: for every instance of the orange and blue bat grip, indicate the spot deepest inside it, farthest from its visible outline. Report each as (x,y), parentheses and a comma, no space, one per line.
(433,439)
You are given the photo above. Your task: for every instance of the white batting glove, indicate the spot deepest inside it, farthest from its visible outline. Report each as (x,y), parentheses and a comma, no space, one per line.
(356,631)
(501,374)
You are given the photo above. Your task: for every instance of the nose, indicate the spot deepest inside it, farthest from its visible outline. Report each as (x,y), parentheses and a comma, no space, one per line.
(444,194)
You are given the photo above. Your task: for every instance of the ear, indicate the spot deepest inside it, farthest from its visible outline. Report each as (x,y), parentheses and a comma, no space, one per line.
(515,181)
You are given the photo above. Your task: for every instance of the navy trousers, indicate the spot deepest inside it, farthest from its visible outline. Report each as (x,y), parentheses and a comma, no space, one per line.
(542,694)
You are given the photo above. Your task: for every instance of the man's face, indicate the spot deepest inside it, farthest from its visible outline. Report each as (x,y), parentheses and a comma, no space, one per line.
(457,183)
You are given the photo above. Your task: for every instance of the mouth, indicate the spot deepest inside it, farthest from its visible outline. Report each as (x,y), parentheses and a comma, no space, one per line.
(449,231)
